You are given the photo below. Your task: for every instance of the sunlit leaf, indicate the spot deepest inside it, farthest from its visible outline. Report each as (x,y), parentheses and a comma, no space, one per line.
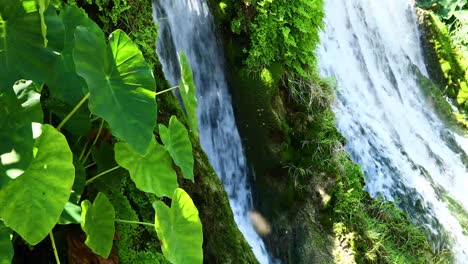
(462,96)
(152,172)
(6,247)
(177,143)
(19,107)
(121,85)
(188,93)
(180,230)
(98,224)
(32,203)
(71,214)
(43,4)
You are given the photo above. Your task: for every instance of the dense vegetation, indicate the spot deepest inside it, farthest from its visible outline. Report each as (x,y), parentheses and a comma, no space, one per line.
(311,191)
(52,150)
(295,148)
(445,27)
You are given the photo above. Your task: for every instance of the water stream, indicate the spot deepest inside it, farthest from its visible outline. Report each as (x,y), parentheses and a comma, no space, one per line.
(186,25)
(408,155)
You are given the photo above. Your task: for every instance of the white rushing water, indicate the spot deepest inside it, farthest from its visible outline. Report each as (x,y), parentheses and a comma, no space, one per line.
(372,48)
(186,25)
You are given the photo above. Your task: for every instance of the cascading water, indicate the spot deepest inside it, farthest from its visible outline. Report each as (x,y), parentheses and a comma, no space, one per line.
(372,49)
(186,25)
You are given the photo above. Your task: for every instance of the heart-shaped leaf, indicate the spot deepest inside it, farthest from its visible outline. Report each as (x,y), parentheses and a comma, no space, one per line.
(152,172)
(121,85)
(177,143)
(32,203)
(98,224)
(180,229)
(66,85)
(6,248)
(188,93)
(22,50)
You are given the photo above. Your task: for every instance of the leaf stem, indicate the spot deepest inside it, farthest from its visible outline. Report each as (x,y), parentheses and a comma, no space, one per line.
(133,222)
(167,90)
(90,165)
(101,174)
(94,141)
(52,240)
(83,151)
(83,100)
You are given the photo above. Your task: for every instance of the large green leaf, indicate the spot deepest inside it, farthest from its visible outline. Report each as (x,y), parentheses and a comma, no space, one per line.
(121,85)
(19,107)
(22,50)
(98,224)
(32,203)
(188,93)
(152,172)
(180,230)
(177,143)
(66,85)
(6,248)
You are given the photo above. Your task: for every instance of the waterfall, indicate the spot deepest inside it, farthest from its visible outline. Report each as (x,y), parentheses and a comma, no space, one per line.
(407,153)
(187,25)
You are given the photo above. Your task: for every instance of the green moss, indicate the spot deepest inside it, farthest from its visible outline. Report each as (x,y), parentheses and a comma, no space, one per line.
(446,64)
(384,233)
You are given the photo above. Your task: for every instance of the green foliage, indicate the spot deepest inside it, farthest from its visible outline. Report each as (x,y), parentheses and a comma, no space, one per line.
(16,134)
(120,84)
(46,196)
(285,32)
(187,92)
(385,234)
(66,85)
(55,64)
(71,214)
(177,143)
(179,229)
(5,245)
(23,52)
(98,224)
(452,73)
(152,172)
(118,9)
(445,8)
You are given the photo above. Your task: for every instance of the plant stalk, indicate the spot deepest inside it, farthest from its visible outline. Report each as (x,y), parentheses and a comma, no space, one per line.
(54,247)
(101,174)
(94,141)
(64,121)
(133,222)
(167,90)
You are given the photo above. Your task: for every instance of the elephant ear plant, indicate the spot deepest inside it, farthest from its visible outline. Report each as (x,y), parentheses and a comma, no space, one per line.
(59,78)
